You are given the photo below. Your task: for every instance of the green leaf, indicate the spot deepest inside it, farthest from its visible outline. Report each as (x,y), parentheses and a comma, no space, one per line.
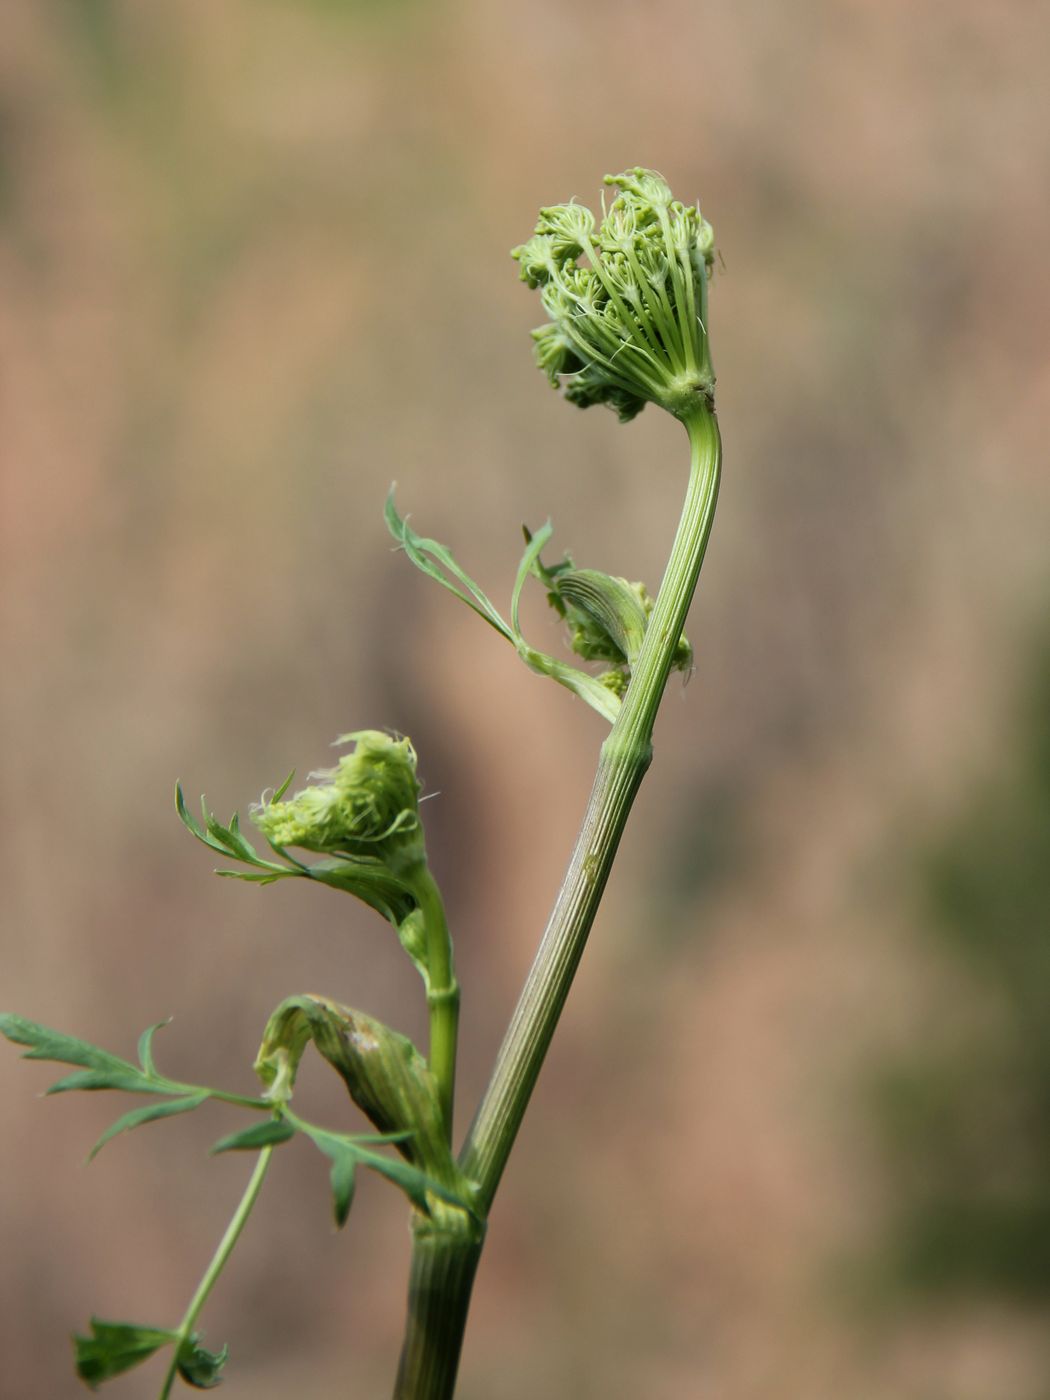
(231,843)
(253,877)
(613,618)
(588,688)
(386,1075)
(145,1048)
(343,1176)
(230,838)
(436,562)
(259,1135)
(150,1114)
(417,1185)
(188,820)
(279,792)
(534,544)
(101,1070)
(200,1368)
(128,1081)
(115,1347)
(47,1044)
(344,1158)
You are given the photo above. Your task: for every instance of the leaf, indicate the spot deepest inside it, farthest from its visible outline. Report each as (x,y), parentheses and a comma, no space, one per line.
(534,544)
(279,792)
(199,1367)
(268,1134)
(115,1347)
(231,843)
(129,1081)
(436,562)
(387,1077)
(416,1184)
(344,1158)
(48,1044)
(145,1047)
(343,1176)
(588,688)
(188,820)
(230,837)
(612,613)
(252,877)
(150,1114)
(101,1070)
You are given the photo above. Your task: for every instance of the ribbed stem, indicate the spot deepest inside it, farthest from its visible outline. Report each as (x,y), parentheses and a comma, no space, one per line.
(447,1246)
(625,756)
(445,1254)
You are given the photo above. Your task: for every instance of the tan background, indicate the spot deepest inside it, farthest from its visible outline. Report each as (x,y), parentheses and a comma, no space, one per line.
(253,267)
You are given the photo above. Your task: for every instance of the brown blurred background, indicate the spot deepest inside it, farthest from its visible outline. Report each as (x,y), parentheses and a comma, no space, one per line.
(794,1138)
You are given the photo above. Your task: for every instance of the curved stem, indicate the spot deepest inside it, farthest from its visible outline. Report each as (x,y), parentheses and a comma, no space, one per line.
(218,1262)
(625,757)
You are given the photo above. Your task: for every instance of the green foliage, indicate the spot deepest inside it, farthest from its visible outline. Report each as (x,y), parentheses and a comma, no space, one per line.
(628,326)
(200,1368)
(116,1347)
(258,1136)
(370,877)
(170,1108)
(388,1080)
(102,1070)
(386,1077)
(607,617)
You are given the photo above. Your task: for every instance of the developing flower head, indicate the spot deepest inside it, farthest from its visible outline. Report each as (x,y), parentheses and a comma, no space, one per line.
(628,326)
(367,805)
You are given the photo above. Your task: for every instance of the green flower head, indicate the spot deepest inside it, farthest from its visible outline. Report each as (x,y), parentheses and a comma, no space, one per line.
(627,300)
(367,805)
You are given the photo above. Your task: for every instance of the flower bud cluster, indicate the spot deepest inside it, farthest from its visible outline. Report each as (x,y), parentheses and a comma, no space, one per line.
(367,805)
(627,299)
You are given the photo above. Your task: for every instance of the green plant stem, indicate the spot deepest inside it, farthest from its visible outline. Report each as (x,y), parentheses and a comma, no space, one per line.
(442,993)
(444,1260)
(218,1263)
(625,757)
(445,1252)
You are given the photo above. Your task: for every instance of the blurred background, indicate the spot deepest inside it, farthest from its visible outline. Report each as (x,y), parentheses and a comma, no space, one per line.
(794,1137)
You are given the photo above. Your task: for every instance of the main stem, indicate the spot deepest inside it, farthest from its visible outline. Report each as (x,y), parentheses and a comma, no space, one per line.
(625,757)
(444,1257)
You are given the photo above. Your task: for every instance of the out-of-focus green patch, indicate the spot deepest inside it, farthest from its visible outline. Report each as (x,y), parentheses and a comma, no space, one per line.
(98,38)
(966,1118)
(371,10)
(705,850)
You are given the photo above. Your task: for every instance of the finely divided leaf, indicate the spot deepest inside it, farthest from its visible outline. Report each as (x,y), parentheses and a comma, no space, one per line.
(259,1135)
(135,1119)
(417,1185)
(231,843)
(101,1070)
(115,1347)
(436,562)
